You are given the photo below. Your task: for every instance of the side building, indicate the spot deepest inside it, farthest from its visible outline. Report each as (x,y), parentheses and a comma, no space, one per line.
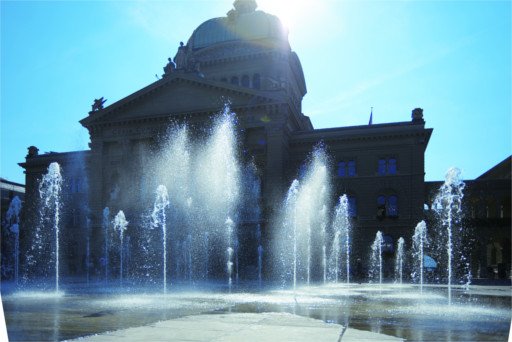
(245,59)
(486,210)
(8,191)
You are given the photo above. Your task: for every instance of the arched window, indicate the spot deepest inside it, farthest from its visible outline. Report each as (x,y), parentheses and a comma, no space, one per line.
(387,206)
(256,81)
(245,81)
(234,80)
(392,206)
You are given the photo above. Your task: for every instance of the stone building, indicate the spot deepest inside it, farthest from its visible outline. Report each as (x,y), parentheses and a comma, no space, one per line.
(245,58)
(8,191)
(486,211)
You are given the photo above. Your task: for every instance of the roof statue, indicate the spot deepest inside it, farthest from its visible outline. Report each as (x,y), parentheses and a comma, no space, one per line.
(169,68)
(98,104)
(417,115)
(245,6)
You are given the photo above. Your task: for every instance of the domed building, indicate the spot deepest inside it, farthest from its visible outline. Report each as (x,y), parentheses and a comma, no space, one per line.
(243,58)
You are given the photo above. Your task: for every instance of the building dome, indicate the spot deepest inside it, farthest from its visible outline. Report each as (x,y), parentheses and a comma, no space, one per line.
(242,23)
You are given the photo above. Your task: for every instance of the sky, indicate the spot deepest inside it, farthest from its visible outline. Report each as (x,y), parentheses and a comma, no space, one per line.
(451,58)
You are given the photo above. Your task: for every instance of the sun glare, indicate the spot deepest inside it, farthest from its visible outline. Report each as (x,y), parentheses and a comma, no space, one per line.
(291,12)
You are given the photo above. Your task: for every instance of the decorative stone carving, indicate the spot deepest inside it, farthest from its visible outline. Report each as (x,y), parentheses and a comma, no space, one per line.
(98,104)
(169,68)
(181,57)
(417,115)
(32,151)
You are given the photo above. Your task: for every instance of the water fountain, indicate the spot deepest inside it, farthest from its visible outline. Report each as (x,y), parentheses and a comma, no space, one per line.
(87,249)
(205,215)
(50,189)
(229,264)
(304,202)
(420,242)
(159,219)
(12,218)
(448,206)
(290,231)
(341,228)
(106,237)
(376,258)
(120,224)
(323,225)
(399,259)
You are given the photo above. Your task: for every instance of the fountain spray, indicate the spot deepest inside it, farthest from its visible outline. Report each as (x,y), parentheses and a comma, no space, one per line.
(160,221)
(50,193)
(448,205)
(120,225)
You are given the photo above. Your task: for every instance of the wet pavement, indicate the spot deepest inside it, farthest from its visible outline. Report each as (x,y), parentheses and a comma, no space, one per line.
(480,314)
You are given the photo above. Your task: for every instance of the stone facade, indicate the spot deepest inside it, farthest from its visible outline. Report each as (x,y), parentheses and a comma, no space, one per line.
(255,70)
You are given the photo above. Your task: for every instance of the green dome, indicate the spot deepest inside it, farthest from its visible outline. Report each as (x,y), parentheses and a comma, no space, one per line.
(246,26)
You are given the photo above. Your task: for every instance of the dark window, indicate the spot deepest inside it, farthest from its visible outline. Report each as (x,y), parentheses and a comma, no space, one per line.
(387,206)
(234,80)
(392,206)
(256,84)
(351,168)
(347,168)
(382,167)
(352,206)
(246,81)
(387,167)
(224,79)
(341,169)
(392,166)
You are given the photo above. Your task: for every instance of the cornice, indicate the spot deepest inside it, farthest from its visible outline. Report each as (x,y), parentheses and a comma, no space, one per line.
(314,136)
(178,78)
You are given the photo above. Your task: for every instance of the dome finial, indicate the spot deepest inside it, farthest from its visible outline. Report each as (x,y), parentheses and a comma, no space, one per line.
(245,6)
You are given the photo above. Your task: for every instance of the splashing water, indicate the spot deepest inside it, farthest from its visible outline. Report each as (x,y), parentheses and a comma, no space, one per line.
(229,229)
(323,225)
(159,220)
(13,222)
(120,225)
(420,241)
(50,194)
(106,230)
(341,228)
(448,205)
(399,259)
(376,257)
(290,231)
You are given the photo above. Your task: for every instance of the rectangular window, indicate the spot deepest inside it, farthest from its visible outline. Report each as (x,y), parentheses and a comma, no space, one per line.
(341,169)
(392,166)
(386,166)
(351,168)
(382,167)
(347,168)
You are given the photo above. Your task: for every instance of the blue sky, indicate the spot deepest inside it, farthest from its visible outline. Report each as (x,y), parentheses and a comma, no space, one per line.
(451,58)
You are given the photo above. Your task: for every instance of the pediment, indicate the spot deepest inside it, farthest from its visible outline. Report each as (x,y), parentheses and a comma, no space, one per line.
(176,95)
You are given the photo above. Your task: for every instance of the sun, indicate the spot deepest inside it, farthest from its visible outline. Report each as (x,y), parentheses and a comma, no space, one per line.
(291,12)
